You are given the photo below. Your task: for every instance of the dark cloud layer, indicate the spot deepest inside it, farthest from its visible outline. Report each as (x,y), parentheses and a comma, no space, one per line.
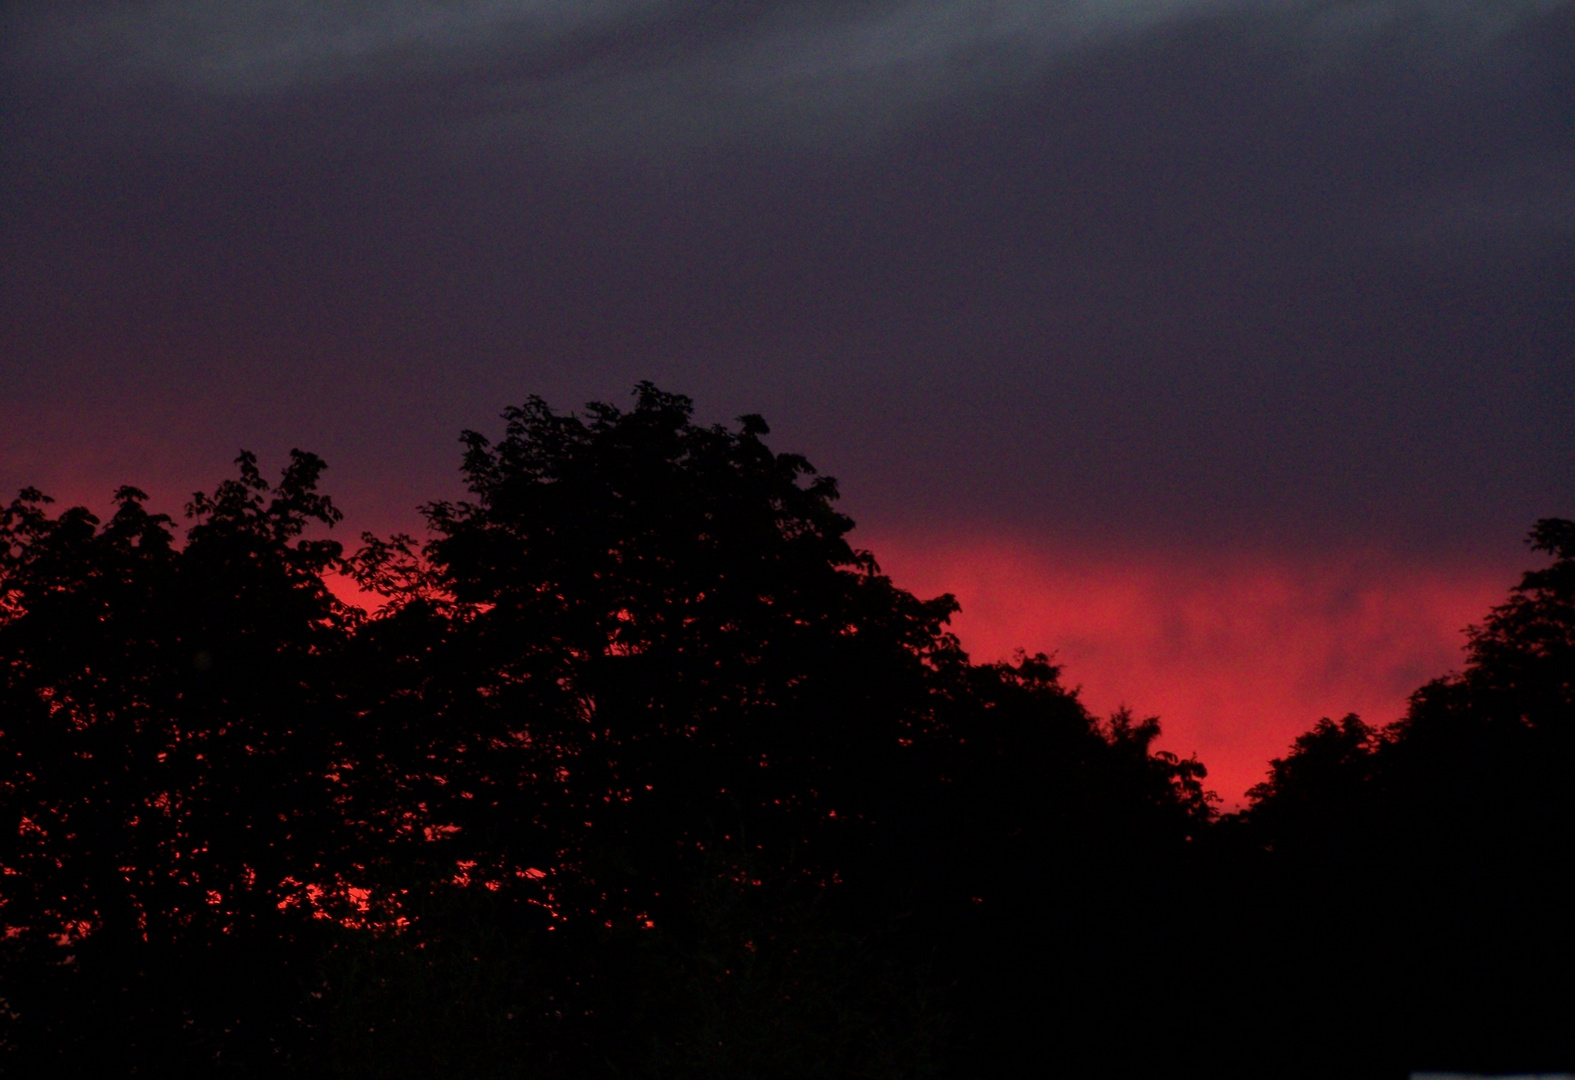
(1157,272)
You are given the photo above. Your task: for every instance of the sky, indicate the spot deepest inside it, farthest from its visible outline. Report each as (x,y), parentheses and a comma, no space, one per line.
(1223,348)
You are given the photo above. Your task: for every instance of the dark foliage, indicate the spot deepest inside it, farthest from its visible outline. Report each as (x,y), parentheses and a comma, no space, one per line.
(1426,866)
(642,770)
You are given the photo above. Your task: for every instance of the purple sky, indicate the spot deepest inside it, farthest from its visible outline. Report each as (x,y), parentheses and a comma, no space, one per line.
(1138,282)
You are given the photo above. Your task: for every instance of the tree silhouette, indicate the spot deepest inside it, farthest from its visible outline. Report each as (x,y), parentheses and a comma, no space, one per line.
(659,643)
(642,768)
(168,711)
(642,664)
(1430,859)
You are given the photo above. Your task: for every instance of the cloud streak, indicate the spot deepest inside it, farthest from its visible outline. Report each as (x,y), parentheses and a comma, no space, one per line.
(622,69)
(242,48)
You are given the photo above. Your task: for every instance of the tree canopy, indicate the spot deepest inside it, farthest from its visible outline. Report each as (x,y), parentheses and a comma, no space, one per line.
(640,767)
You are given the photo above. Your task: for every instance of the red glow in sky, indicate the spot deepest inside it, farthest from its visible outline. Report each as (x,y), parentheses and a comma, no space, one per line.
(1237,656)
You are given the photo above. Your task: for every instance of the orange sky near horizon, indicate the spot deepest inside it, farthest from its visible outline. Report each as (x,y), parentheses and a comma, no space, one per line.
(1236,655)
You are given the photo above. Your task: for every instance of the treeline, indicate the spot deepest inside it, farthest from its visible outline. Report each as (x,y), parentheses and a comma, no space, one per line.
(640,769)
